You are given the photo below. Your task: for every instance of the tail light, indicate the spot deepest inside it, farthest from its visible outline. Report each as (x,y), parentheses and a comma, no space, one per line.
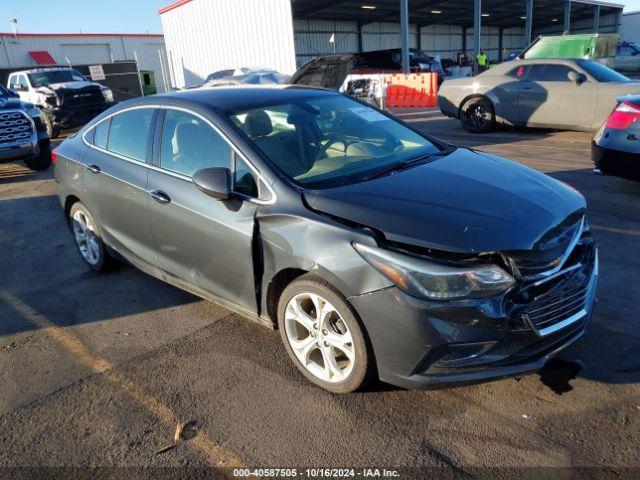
(54,156)
(623,116)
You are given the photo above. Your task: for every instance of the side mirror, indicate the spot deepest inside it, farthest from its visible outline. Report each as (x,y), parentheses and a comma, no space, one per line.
(577,78)
(215,182)
(16,87)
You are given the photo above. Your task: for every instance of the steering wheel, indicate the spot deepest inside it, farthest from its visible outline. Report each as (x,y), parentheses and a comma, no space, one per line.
(332,140)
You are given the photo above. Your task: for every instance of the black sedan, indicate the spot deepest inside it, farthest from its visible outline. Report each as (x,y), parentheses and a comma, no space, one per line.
(376,249)
(616,147)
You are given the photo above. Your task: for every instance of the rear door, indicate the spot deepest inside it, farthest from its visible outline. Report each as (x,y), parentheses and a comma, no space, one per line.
(548,98)
(200,240)
(117,169)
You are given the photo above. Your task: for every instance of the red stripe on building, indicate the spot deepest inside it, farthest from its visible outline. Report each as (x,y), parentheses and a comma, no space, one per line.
(170,7)
(42,57)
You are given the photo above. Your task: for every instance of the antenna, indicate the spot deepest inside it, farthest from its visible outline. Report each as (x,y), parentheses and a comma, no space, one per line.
(14,27)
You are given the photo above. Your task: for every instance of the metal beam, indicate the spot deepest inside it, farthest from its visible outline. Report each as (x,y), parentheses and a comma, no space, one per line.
(419,27)
(501,45)
(404,29)
(321,8)
(567,17)
(596,18)
(360,38)
(464,39)
(477,26)
(528,29)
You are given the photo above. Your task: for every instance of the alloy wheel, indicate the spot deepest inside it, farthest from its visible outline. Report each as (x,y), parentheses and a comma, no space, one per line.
(86,238)
(477,116)
(319,337)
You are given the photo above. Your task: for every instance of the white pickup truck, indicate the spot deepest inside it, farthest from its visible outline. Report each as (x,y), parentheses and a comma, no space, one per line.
(67,99)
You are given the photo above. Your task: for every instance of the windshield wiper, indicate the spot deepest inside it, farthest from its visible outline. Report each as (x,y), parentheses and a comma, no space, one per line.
(397,167)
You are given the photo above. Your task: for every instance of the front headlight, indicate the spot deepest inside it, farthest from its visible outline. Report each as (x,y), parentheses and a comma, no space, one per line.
(32,111)
(108,95)
(434,281)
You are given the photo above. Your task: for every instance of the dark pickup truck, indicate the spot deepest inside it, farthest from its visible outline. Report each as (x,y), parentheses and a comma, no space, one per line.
(23,133)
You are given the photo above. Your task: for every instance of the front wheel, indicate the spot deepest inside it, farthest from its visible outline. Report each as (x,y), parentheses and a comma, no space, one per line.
(478,116)
(53,132)
(323,336)
(41,162)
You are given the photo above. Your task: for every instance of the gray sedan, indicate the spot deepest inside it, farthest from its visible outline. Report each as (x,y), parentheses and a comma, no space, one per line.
(545,93)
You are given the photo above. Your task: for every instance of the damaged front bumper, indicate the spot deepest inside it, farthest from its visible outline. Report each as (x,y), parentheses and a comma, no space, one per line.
(422,344)
(77,116)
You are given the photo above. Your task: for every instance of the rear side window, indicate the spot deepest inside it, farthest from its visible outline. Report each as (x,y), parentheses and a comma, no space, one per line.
(519,72)
(101,133)
(189,144)
(129,133)
(549,73)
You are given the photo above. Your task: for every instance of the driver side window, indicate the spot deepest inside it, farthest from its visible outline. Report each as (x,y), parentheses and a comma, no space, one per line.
(189,144)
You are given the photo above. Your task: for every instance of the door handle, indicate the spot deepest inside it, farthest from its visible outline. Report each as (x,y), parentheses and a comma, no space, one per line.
(160,197)
(93,168)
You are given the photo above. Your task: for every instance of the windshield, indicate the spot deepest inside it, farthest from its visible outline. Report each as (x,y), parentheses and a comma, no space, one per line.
(326,141)
(601,73)
(46,77)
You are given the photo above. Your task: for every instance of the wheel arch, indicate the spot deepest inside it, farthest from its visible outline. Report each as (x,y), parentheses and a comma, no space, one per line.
(466,99)
(69,202)
(276,286)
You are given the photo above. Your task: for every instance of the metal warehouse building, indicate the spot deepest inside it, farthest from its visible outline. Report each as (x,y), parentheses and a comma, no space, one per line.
(203,36)
(26,50)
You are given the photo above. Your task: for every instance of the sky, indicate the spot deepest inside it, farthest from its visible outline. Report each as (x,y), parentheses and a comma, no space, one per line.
(88,16)
(105,16)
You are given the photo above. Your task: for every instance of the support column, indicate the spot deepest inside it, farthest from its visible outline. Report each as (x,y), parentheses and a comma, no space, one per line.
(360,37)
(596,18)
(501,45)
(567,17)
(464,39)
(528,29)
(619,21)
(419,42)
(477,26)
(404,29)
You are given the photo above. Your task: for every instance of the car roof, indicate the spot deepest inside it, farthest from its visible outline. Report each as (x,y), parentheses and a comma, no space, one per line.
(236,98)
(43,69)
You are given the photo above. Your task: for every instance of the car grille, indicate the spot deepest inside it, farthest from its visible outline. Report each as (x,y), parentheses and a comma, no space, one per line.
(80,97)
(15,127)
(563,303)
(558,245)
(565,295)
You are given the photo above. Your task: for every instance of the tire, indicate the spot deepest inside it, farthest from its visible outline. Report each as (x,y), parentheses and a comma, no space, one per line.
(337,336)
(478,116)
(51,130)
(41,162)
(92,249)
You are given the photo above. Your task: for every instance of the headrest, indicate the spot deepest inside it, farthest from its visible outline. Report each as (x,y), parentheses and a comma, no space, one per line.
(186,136)
(258,124)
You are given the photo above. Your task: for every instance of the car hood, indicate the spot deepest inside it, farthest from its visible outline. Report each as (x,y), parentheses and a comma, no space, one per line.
(11,103)
(52,87)
(467,202)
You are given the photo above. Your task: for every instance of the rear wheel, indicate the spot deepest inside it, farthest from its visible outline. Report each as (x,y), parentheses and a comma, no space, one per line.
(323,336)
(477,115)
(87,237)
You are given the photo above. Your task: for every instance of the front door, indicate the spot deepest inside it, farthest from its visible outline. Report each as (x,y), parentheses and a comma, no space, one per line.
(548,98)
(200,240)
(116,179)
